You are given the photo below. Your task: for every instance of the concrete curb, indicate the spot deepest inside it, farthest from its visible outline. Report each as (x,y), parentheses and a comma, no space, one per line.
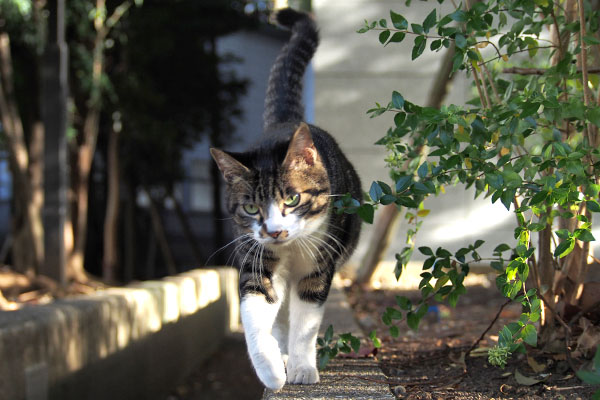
(344,378)
(122,343)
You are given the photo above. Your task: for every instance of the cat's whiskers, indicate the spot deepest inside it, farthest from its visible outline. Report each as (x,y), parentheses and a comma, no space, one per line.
(317,243)
(306,242)
(334,239)
(228,244)
(328,246)
(237,248)
(262,250)
(243,263)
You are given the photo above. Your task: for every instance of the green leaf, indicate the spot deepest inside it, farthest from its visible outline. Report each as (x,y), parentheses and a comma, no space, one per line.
(387,199)
(398,21)
(538,198)
(393,313)
(366,212)
(416,28)
(429,21)
(384,36)
(413,320)
(394,331)
(323,361)
(586,236)
(591,377)
(397,100)
(426,250)
(458,16)
(375,339)
(588,39)
(404,303)
(460,41)
(436,44)
(375,192)
(501,247)
(385,187)
(593,205)
(328,334)
(423,170)
(397,37)
(419,46)
(403,183)
(529,335)
(564,248)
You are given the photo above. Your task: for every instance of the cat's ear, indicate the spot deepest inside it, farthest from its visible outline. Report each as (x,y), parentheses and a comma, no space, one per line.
(302,148)
(231,168)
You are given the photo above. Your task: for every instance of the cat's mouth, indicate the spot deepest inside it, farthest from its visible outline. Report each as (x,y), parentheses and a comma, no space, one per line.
(278,241)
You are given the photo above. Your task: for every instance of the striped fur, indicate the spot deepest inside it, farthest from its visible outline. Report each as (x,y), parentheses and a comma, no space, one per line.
(288,239)
(283,102)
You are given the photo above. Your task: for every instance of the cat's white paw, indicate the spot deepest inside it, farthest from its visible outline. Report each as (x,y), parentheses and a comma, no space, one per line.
(302,374)
(273,376)
(269,364)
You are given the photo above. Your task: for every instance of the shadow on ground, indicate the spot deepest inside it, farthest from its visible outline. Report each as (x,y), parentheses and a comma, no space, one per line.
(226,375)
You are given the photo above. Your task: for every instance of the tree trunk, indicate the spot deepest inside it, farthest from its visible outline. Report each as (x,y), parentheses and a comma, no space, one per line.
(87,148)
(188,231)
(27,224)
(130,242)
(111,220)
(85,158)
(76,259)
(160,234)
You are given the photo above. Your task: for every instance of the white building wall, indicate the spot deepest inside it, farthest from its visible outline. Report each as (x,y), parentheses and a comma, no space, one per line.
(352,72)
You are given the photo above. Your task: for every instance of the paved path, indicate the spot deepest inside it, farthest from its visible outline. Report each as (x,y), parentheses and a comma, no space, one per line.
(341,378)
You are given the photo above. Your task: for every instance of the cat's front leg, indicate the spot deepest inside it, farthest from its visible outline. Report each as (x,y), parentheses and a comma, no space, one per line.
(305,319)
(258,317)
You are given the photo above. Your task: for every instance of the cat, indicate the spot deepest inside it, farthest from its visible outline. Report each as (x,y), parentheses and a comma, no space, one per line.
(289,239)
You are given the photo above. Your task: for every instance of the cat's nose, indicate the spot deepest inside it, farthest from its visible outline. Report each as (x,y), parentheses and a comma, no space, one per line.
(274,234)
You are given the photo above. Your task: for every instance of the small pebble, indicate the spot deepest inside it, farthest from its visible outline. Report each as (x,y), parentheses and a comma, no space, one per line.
(399,391)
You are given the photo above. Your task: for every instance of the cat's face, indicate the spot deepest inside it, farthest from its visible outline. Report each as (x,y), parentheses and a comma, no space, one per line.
(276,204)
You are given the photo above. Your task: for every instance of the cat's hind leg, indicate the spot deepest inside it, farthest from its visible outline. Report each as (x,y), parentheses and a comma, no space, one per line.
(281,328)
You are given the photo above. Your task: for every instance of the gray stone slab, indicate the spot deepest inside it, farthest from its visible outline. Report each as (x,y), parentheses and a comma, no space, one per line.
(134,342)
(343,378)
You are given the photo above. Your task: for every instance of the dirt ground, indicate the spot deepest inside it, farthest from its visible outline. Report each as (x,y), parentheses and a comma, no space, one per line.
(422,365)
(428,365)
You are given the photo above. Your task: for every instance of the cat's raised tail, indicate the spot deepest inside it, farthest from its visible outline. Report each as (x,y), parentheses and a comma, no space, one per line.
(283,102)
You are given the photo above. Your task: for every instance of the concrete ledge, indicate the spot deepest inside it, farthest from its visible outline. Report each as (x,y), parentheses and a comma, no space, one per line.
(343,378)
(122,343)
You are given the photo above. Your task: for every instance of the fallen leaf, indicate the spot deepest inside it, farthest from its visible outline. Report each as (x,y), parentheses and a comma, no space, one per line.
(460,360)
(525,380)
(535,366)
(479,352)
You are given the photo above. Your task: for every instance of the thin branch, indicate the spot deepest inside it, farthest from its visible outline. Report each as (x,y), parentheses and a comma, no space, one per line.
(481,96)
(492,84)
(474,345)
(554,313)
(561,51)
(540,71)
(520,51)
(484,87)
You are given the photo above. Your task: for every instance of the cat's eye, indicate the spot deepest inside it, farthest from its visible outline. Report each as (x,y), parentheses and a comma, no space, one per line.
(292,200)
(251,209)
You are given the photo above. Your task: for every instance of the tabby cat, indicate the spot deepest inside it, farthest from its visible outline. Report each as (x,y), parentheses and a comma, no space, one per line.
(289,240)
